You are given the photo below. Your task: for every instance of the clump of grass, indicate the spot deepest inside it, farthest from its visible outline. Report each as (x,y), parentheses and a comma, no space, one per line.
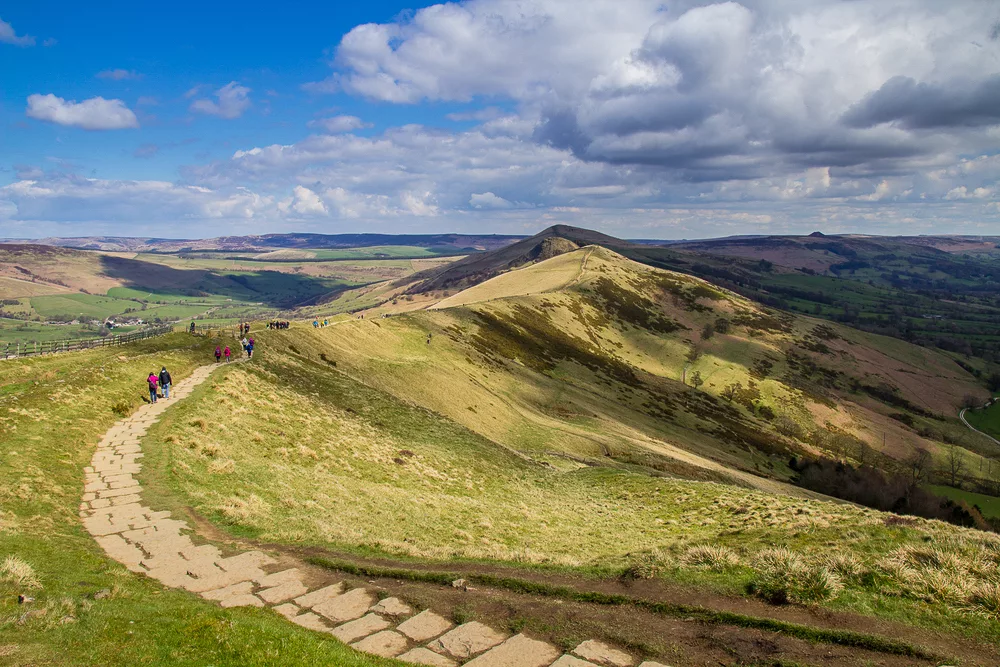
(782,577)
(15,571)
(243,510)
(122,408)
(646,565)
(711,557)
(985,599)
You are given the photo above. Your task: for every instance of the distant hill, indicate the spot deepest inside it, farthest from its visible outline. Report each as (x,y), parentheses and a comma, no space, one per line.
(479,242)
(475,269)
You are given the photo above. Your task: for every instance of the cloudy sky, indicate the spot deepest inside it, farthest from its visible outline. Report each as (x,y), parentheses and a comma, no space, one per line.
(642,118)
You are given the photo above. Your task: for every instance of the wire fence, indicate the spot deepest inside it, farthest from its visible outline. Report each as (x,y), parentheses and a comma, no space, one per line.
(31,349)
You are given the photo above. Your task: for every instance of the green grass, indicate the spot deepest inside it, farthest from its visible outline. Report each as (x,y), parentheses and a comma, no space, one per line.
(291,451)
(19,331)
(88,306)
(987,421)
(53,410)
(989,505)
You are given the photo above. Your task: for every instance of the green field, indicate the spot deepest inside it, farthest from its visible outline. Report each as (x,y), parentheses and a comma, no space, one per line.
(987,421)
(83,306)
(988,505)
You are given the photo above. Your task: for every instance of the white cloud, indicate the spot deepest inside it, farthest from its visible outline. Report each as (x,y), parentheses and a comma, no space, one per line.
(9,36)
(488,200)
(96,113)
(307,202)
(118,74)
(338,124)
(233,100)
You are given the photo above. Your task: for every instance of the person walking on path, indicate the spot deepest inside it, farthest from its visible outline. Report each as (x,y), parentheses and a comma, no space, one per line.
(228,353)
(165,382)
(250,348)
(218,354)
(151,381)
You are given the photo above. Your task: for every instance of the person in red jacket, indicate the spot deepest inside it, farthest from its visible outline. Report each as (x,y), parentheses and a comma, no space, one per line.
(228,353)
(152,381)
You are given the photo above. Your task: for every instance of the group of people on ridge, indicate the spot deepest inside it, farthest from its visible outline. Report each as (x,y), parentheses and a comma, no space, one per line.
(277,324)
(159,382)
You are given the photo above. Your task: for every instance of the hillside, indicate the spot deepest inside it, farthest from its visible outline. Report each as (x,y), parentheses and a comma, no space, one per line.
(276,241)
(617,327)
(542,435)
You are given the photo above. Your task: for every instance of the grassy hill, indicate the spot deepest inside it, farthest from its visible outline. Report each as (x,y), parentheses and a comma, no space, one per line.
(584,418)
(552,427)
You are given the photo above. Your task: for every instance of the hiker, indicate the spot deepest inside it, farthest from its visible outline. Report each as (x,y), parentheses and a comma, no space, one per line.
(192,326)
(228,353)
(326,323)
(165,382)
(315,324)
(151,381)
(250,349)
(218,354)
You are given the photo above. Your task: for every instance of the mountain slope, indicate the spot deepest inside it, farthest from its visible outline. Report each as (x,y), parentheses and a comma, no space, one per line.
(590,354)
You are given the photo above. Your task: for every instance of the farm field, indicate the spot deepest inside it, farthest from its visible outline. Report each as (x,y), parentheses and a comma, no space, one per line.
(990,505)
(987,421)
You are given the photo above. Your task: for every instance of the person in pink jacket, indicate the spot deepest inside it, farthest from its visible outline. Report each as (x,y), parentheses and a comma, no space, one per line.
(227,353)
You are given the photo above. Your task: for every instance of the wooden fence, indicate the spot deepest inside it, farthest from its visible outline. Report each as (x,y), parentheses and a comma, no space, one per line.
(15,350)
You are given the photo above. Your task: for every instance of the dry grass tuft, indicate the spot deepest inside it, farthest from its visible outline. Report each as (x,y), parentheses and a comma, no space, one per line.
(781,576)
(711,557)
(244,510)
(15,571)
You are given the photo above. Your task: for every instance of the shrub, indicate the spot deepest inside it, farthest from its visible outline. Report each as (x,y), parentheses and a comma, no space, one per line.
(122,408)
(782,577)
(711,557)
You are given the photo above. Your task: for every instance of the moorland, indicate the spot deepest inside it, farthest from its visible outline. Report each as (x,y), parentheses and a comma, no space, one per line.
(743,451)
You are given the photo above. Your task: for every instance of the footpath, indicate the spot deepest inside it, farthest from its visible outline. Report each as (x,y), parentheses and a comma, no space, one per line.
(153,544)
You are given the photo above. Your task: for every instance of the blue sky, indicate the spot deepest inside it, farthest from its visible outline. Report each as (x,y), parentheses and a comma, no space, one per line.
(637,117)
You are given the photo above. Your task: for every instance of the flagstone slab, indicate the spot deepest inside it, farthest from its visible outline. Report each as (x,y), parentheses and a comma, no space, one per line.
(282,577)
(421,656)
(425,625)
(572,661)
(467,640)
(362,627)
(518,651)
(282,592)
(288,610)
(311,621)
(346,607)
(241,588)
(387,644)
(603,654)
(650,663)
(242,601)
(310,600)
(392,607)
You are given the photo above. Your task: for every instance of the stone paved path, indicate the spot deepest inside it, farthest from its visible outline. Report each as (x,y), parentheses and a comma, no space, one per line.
(151,543)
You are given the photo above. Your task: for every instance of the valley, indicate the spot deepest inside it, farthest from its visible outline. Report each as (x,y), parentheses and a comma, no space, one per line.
(601,447)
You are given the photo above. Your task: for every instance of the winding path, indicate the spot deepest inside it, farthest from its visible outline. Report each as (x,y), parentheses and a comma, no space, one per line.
(961,415)
(151,543)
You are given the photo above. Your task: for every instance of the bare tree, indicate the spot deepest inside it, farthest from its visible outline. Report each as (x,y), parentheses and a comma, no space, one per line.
(697,380)
(955,463)
(918,463)
(730,390)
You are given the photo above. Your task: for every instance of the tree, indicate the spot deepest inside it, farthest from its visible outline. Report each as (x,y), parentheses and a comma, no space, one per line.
(722,327)
(708,331)
(696,380)
(955,464)
(993,381)
(918,464)
(970,401)
(730,391)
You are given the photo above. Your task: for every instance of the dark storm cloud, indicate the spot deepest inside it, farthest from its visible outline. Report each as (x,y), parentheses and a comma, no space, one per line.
(916,105)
